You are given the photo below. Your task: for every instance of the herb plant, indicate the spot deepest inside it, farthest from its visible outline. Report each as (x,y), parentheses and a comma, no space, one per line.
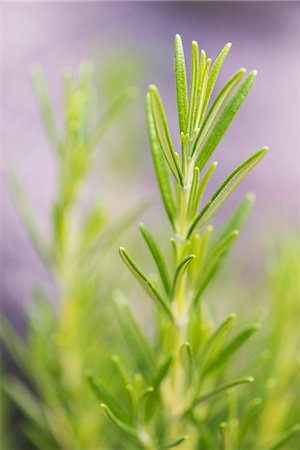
(181,381)
(169,386)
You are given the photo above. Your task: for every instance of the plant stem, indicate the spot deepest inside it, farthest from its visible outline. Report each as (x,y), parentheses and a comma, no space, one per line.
(176,388)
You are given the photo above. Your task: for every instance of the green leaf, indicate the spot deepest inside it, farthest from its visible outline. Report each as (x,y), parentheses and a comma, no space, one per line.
(216,339)
(235,222)
(13,343)
(119,423)
(219,389)
(248,421)
(214,74)
(186,358)
(215,109)
(145,282)
(203,70)
(194,84)
(203,184)
(193,200)
(180,269)
(226,188)
(145,407)
(200,250)
(121,370)
(225,436)
(110,114)
(163,134)
(213,261)
(173,442)
(137,343)
(91,255)
(202,91)
(232,347)
(162,372)
(225,119)
(238,218)
(25,400)
(285,437)
(161,167)
(40,438)
(103,395)
(157,256)
(25,211)
(43,98)
(181,84)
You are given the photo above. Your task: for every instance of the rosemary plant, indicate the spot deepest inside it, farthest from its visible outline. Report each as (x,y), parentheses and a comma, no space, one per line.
(166,387)
(56,408)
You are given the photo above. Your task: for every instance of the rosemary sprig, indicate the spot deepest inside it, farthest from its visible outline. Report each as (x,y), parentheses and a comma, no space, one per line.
(170,407)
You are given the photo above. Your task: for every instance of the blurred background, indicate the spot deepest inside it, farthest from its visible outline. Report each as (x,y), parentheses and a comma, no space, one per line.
(137,39)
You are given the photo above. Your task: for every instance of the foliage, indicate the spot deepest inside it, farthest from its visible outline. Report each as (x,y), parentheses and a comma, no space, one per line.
(57,408)
(167,395)
(183,379)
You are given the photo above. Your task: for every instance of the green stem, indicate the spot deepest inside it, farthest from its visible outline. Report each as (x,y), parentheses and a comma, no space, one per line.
(176,381)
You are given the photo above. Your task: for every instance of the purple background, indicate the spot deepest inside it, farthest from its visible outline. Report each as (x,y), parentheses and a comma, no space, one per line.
(265,36)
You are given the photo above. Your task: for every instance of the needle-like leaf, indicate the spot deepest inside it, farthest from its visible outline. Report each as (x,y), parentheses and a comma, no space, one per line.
(232,347)
(43,98)
(216,339)
(226,188)
(29,220)
(157,256)
(119,423)
(160,165)
(180,269)
(203,182)
(202,92)
(173,442)
(109,115)
(218,390)
(248,420)
(27,402)
(104,395)
(193,86)
(213,261)
(145,282)
(238,218)
(214,74)
(215,109)
(181,84)
(283,439)
(163,134)
(193,200)
(225,119)
(136,341)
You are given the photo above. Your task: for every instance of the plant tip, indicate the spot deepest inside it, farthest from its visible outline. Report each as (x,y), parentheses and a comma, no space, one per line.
(152,87)
(251,196)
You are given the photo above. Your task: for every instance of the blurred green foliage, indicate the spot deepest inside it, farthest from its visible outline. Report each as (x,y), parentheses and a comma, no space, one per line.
(56,405)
